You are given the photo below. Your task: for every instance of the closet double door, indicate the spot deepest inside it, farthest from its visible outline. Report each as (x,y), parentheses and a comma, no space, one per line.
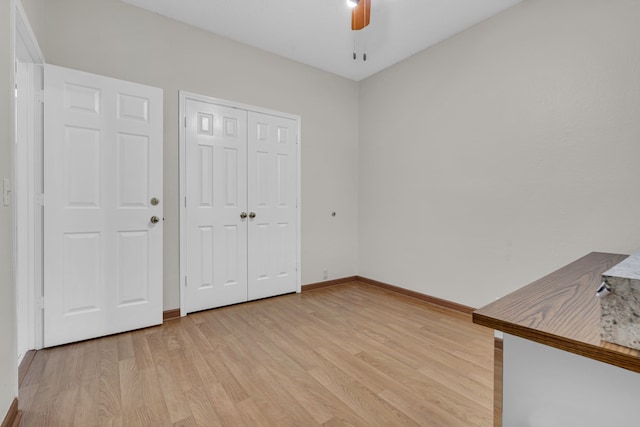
(241,193)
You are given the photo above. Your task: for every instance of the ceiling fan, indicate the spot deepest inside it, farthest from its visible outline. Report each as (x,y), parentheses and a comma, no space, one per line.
(360,18)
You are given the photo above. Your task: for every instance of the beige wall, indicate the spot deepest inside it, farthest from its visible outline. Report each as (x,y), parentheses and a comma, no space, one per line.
(504,152)
(8,351)
(478,164)
(36,15)
(114,39)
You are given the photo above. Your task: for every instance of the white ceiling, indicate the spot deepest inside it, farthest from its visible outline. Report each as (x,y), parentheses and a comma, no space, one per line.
(318,32)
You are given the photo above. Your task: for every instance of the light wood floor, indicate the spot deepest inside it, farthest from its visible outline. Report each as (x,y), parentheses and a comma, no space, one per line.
(349,355)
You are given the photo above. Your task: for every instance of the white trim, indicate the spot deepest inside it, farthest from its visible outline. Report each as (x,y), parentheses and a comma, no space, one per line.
(184,96)
(182,215)
(27,50)
(23,208)
(299,208)
(37,197)
(12,132)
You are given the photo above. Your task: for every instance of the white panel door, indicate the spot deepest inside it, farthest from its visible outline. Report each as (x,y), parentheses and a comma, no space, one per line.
(216,197)
(102,168)
(273,169)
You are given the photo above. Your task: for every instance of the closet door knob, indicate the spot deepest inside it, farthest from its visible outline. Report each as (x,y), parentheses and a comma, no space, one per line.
(252,215)
(243,215)
(155,220)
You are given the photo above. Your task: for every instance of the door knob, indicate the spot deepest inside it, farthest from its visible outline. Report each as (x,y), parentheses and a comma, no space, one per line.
(155,201)
(252,215)
(243,215)
(155,220)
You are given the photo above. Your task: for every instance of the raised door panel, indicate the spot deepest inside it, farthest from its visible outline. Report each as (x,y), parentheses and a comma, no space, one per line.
(81,278)
(133,171)
(133,281)
(82,166)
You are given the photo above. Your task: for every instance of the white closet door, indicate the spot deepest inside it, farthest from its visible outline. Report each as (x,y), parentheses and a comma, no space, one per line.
(102,167)
(272,171)
(216,196)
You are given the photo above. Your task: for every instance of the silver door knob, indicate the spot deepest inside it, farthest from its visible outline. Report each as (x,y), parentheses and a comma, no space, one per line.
(243,215)
(252,215)
(155,220)
(155,201)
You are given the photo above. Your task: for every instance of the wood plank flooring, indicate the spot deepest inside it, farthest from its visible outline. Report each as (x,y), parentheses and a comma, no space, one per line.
(349,355)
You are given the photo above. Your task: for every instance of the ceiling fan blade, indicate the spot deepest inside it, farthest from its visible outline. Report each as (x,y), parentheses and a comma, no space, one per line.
(361,15)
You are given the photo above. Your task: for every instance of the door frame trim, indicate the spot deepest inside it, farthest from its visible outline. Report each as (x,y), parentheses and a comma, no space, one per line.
(184,96)
(27,50)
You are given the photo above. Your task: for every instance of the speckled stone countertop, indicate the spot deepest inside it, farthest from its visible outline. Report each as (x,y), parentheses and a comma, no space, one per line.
(620,310)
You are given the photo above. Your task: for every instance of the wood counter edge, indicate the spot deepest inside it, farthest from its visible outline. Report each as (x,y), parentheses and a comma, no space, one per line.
(602,354)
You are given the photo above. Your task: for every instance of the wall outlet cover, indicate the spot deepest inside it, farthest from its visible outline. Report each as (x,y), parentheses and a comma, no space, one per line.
(6,192)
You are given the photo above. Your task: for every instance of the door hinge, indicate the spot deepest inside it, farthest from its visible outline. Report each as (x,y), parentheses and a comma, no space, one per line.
(185,202)
(185,121)
(185,281)
(40,96)
(40,199)
(40,303)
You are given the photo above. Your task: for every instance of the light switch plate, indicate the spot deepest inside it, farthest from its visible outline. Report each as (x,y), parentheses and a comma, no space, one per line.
(6,192)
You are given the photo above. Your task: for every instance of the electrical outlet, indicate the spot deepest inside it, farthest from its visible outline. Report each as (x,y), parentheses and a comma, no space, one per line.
(6,192)
(325,274)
